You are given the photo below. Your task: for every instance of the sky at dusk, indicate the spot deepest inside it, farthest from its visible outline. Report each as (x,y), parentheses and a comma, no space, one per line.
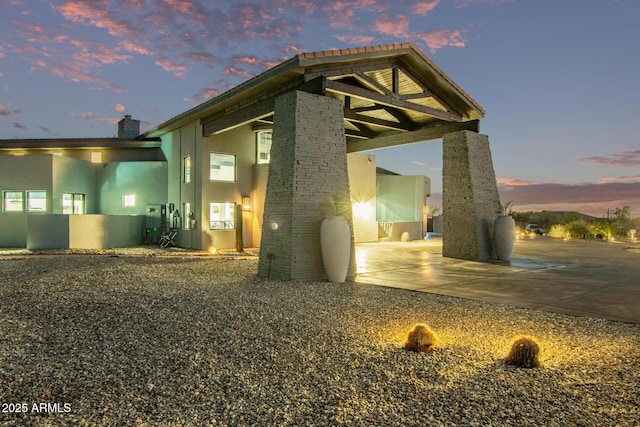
(559,79)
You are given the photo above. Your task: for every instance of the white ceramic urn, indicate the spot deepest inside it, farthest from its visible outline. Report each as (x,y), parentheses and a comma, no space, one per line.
(504,236)
(335,242)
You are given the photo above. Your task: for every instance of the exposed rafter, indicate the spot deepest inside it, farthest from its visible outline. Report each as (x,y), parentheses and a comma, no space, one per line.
(426,133)
(392,101)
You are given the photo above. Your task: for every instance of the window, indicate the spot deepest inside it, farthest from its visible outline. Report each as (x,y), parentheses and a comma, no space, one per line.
(96,157)
(129,200)
(13,201)
(221,216)
(72,204)
(222,167)
(36,201)
(264,147)
(186,169)
(187,215)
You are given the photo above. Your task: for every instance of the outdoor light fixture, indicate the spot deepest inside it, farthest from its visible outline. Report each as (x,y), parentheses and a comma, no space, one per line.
(362,210)
(274,226)
(246,204)
(213,250)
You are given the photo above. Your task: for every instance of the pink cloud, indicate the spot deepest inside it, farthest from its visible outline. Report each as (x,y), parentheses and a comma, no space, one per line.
(397,26)
(135,48)
(96,13)
(424,7)
(625,158)
(356,40)
(5,112)
(512,182)
(167,65)
(17,125)
(236,72)
(440,38)
(627,178)
(120,108)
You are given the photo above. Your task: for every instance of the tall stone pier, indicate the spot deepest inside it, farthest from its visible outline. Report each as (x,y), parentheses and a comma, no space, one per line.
(308,166)
(470,196)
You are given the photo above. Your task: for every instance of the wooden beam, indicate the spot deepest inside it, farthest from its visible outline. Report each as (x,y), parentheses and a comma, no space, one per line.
(359,118)
(256,111)
(392,101)
(395,80)
(371,83)
(428,133)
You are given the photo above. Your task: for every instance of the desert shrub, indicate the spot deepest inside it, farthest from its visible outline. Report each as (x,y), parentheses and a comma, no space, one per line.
(604,229)
(578,230)
(421,339)
(523,353)
(559,231)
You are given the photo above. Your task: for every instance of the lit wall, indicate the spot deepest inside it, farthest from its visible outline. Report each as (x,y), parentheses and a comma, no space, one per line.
(362,182)
(147,181)
(401,198)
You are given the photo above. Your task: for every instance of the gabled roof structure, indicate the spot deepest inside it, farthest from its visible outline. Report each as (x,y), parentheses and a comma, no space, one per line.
(392,94)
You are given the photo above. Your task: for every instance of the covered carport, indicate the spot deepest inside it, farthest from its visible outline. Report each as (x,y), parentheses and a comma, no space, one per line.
(323,105)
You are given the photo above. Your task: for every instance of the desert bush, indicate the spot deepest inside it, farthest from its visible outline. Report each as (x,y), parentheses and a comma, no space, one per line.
(559,231)
(523,353)
(605,229)
(421,339)
(578,230)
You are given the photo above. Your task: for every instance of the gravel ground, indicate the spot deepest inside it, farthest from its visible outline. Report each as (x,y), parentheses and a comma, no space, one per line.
(123,339)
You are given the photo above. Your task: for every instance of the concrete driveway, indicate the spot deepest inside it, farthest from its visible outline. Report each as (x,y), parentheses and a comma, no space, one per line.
(580,278)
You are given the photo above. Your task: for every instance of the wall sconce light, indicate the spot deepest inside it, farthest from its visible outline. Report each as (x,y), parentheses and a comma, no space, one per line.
(246,204)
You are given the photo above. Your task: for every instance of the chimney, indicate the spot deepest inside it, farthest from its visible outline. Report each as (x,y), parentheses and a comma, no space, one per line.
(128,128)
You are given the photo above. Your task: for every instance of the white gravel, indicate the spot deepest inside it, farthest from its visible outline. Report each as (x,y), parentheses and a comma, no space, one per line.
(143,339)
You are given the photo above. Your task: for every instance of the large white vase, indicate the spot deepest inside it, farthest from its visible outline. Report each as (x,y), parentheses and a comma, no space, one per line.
(335,243)
(504,236)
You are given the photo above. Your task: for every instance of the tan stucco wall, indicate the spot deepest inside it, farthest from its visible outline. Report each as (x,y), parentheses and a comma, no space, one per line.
(362,180)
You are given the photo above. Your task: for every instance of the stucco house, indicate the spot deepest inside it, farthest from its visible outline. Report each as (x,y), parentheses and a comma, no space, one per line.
(275,146)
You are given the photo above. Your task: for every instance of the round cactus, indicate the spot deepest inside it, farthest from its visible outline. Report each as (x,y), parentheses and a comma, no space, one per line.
(523,354)
(421,339)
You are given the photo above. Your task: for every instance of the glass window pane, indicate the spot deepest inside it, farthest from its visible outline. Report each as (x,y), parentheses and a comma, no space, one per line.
(13,201)
(222,167)
(264,147)
(36,201)
(78,204)
(187,169)
(129,200)
(221,216)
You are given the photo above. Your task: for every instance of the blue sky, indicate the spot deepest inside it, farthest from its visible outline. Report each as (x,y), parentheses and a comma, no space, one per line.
(559,79)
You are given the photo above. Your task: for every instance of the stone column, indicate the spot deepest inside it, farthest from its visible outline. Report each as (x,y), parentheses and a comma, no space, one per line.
(308,166)
(470,196)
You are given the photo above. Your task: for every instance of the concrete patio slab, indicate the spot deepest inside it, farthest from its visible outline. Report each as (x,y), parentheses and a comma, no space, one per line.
(581,278)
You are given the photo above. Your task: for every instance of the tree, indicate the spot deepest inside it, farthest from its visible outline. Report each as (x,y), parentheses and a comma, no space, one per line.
(623,214)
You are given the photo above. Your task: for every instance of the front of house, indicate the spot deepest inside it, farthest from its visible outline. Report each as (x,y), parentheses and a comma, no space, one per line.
(204,173)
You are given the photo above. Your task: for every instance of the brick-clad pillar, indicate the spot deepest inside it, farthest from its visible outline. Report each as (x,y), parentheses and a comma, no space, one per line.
(470,196)
(308,166)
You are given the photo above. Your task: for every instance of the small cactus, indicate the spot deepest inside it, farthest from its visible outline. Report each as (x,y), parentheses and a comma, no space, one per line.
(421,339)
(523,354)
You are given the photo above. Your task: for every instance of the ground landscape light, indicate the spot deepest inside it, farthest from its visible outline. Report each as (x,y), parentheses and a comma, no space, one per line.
(212,250)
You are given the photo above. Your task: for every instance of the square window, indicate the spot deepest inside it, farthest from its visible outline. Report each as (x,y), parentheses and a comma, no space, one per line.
(72,204)
(36,201)
(96,157)
(129,200)
(222,216)
(222,167)
(13,201)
